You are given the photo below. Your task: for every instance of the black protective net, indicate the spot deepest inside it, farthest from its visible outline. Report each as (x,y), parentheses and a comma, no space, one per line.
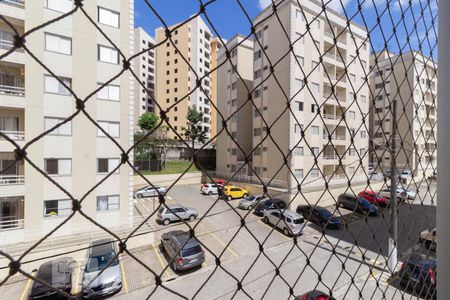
(368,72)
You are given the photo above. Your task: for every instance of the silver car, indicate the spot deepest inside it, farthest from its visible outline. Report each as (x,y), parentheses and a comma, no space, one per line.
(101,256)
(184,251)
(288,221)
(210,188)
(250,201)
(386,192)
(167,214)
(149,191)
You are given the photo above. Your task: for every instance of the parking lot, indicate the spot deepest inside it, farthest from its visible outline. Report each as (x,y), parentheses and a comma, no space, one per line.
(361,248)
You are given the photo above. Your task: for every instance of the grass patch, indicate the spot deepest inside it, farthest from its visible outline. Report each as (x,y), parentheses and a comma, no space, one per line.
(174,167)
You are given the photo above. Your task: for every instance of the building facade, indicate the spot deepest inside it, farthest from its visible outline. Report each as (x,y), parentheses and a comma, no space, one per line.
(77,155)
(144,68)
(235,106)
(321,133)
(178,70)
(411,79)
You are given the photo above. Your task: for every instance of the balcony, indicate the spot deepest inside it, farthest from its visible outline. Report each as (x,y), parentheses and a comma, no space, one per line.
(13,9)
(337,137)
(12,216)
(14,135)
(12,85)
(12,179)
(16,3)
(328,95)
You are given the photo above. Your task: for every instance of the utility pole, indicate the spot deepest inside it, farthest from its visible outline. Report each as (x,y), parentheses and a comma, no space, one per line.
(393,201)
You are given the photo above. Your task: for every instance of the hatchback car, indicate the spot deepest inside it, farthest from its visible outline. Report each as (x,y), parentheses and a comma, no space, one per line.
(250,201)
(374,198)
(314,295)
(102,257)
(419,273)
(210,188)
(268,204)
(182,250)
(319,215)
(428,238)
(149,191)
(357,204)
(175,212)
(288,221)
(231,192)
(56,273)
(386,192)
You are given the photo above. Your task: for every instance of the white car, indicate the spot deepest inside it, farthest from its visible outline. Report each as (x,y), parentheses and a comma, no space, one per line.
(149,191)
(409,194)
(406,175)
(386,192)
(210,188)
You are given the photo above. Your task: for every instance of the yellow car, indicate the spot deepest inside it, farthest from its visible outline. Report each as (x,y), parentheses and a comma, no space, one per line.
(233,192)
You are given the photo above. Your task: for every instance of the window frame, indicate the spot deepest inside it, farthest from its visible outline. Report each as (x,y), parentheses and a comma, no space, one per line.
(46,160)
(99,46)
(108,204)
(110,11)
(60,37)
(49,215)
(56,132)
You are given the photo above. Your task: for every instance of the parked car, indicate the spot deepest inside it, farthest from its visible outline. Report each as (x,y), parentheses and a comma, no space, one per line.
(288,221)
(357,204)
(411,195)
(314,295)
(210,188)
(386,192)
(250,201)
(219,181)
(406,175)
(166,215)
(149,191)
(268,204)
(231,192)
(376,176)
(182,250)
(419,273)
(428,238)
(101,256)
(319,215)
(433,176)
(374,198)
(56,273)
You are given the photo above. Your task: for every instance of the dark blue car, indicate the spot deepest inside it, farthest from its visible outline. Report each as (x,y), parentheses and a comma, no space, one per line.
(357,204)
(319,216)
(268,204)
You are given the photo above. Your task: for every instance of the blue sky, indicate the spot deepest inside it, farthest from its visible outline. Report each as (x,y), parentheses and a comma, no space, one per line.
(229,19)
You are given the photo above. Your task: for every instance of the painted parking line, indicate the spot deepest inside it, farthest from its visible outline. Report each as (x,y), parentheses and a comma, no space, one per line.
(274,230)
(224,245)
(26,291)
(168,274)
(77,278)
(124,276)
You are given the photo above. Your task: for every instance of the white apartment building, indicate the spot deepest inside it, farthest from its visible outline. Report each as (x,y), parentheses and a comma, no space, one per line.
(232,102)
(323,135)
(416,110)
(77,155)
(144,68)
(176,81)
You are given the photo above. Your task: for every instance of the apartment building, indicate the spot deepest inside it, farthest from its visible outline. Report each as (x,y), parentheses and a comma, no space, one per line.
(411,79)
(322,135)
(77,155)
(216,45)
(234,105)
(176,80)
(144,68)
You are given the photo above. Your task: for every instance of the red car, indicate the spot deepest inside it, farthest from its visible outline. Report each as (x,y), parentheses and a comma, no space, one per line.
(374,198)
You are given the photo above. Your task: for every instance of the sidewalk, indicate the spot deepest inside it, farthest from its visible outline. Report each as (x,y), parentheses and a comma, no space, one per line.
(168,179)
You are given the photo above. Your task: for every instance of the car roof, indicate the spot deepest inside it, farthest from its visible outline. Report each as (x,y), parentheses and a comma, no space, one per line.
(102,246)
(181,237)
(47,267)
(289,213)
(172,206)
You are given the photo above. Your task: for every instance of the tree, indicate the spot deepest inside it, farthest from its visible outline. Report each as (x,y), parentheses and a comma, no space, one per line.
(148,121)
(194,131)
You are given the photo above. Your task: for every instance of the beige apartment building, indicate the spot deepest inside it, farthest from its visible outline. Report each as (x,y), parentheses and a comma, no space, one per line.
(416,94)
(77,155)
(315,110)
(144,68)
(176,81)
(233,91)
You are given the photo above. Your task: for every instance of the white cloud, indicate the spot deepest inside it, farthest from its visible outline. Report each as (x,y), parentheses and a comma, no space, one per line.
(264,3)
(336,5)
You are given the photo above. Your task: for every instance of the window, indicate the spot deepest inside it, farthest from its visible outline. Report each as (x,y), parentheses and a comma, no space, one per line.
(353,77)
(257,93)
(257,55)
(109,92)
(57,43)
(59,5)
(301,60)
(315,151)
(297,128)
(112,128)
(379,85)
(352,115)
(53,86)
(257,151)
(106,165)
(108,17)
(316,23)
(105,203)
(298,151)
(363,99)
(351,170)
(107,54)
(363,134)
(317,44)
(233,86)
(64,129)
(257,132)
(314,108)
(299,15)
(299,105)
(300,38)
(54,208)
(233,151)
(298,84)
(362,151)
(298,173)
(315,130)
(315,87)
(54,166)
(234,53)
(314,172)
(351,152)
(257,74)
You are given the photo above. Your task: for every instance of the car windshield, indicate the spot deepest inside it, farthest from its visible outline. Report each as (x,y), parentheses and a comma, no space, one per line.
(297,221)
(97,263)
(161,209)
(250,198)
(324,213)
(191,251)
(364,202)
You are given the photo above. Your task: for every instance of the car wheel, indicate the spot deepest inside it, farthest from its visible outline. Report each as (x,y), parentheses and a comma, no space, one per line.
(245,195)
(286,232)
(266,220)
(250,207)
(229,198)
(210,193)
(166,222)
(191,218)
(139,196)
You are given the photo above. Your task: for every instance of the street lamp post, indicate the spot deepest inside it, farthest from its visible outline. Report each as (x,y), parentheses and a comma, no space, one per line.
(392,263)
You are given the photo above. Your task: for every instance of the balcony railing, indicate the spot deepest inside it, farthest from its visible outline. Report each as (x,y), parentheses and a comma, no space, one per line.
(18,3)
(330,117)
(8,44)
(7,223)
(335,137)
(12,90)
(331,96)
(14,135)
(329,34)
(330,156)
(12,179)
(330,54)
